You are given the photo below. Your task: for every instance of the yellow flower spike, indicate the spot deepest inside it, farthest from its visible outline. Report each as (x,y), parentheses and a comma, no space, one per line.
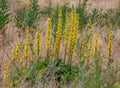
(110,43)
(13,53)
(90,43)
(66,38)
(51,57)
(73,13)
(96,43)
(6,73)
(84,48)
(26,51)
(38,41)
(58,35)
(48,34)
(27,43)
(60,13)
(84,45)
(17,49)
(28,34)
(73,34)
(18,45)
(21,63)
(72,18)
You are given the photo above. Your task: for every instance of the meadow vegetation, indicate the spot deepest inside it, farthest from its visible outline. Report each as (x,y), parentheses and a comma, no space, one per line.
(73,56)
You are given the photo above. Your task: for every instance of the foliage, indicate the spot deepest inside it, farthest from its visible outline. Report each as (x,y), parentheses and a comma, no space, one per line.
(94,16)
(4,13)
(20,17)
(61,72)
(83,17)
(28,16)
(115,19)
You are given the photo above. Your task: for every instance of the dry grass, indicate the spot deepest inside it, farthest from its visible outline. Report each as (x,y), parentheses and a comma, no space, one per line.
(102,4)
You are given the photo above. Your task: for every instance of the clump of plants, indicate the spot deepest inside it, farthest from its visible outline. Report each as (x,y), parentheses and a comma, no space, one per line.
(29,66)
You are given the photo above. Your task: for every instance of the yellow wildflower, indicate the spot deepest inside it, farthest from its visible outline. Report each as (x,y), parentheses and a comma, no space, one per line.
(90,43)
(13,53)
(110,43)
(27,43)
(96,44)
(48,35)
(21,63)
(66,39)
(84,48)
(38,41)
(17,49)
(58,35)
(6,73)
(73,34)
